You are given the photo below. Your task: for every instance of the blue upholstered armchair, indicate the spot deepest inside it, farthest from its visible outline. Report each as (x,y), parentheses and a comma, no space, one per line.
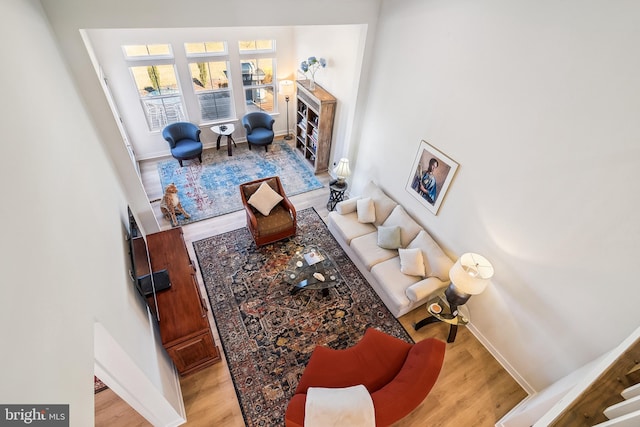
(184,140)
(259,126)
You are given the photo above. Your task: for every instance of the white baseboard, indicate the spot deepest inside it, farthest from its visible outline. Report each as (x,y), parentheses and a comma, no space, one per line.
(498,356)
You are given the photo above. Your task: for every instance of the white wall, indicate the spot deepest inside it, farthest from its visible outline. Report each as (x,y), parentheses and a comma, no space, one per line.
(65,262)
(343,46)
(539,103)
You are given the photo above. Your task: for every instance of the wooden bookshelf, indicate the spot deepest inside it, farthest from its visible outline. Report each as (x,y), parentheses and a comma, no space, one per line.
(316,110)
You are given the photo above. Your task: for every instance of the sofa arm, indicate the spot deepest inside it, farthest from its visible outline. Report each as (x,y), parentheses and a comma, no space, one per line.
(347,206)
(422,289)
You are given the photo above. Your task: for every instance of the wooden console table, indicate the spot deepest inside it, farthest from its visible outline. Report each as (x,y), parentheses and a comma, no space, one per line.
(184,326)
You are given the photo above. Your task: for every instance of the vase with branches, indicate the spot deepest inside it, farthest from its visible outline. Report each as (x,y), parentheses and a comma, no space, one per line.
(311,66)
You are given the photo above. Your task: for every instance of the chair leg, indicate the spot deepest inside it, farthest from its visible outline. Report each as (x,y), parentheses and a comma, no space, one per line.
(266,147)
(249,144)
(180,161)
(200,158)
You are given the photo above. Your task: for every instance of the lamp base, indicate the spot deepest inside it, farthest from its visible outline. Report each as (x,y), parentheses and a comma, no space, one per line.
(455,298)
(288,137)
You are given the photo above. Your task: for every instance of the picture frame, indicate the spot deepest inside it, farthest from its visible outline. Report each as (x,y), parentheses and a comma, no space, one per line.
(429,187)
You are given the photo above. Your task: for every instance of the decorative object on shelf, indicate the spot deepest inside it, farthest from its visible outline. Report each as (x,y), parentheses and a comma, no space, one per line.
(287,89)
(469,276)
(311,65)
(431,175)
(342,172)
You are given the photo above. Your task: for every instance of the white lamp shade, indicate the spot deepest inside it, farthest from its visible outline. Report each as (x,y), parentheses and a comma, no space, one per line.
(342,170)
(471,273)
(287,87)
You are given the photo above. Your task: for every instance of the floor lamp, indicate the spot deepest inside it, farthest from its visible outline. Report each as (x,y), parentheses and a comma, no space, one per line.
(287,89)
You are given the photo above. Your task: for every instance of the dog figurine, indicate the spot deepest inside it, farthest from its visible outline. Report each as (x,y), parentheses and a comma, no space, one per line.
(170,205)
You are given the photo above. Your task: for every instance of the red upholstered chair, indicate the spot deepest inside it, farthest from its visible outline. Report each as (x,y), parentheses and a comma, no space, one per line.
(398,375)
(281,221)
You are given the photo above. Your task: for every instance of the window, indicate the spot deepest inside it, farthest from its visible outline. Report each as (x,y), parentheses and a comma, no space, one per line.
(159,80)
(258,66)
(205,48)
(157,84)
(252,46)
(209,71)
(147,51)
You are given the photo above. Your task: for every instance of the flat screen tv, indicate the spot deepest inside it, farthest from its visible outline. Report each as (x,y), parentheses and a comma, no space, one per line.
(158,281)
(147,283)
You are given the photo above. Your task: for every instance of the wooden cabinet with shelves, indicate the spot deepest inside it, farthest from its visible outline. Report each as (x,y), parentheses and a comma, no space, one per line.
(184,327)
(316,111)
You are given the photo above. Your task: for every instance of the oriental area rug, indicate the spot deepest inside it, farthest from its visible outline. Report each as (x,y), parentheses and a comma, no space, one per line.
(267,333)
(211,188)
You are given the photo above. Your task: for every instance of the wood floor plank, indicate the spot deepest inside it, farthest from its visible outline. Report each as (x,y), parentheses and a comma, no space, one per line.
(472,390)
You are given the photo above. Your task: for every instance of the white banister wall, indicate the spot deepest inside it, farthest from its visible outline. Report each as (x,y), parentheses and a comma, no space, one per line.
(630,420)
(588,379)
(631,392)
(535,406)
(625,407)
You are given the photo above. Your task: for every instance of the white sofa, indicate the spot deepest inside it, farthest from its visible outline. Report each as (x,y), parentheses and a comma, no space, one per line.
(361,224)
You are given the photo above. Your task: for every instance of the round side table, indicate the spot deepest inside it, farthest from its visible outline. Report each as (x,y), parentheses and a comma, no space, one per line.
(336,194)
(442,313)
(225,130)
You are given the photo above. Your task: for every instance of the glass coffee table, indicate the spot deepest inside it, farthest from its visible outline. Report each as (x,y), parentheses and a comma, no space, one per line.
(311,268)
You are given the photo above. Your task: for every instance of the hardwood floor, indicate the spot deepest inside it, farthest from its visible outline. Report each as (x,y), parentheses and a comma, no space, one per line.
(111,410)
(472,390)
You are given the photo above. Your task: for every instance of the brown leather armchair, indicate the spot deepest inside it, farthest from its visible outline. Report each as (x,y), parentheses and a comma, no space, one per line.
(281,221)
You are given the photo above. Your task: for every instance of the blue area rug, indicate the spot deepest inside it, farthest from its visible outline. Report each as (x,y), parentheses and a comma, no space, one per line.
(211,189)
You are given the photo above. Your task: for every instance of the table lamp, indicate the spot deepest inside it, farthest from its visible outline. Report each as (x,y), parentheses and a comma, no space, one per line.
(469,276)
(342,171)
(287,89)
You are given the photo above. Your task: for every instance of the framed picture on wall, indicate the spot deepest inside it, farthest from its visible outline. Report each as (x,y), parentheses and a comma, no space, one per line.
(430,177)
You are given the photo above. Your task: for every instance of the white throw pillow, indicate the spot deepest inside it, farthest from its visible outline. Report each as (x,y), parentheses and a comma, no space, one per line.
(437,263)
(424,288)
(411,262)
(340,406)
(383,203)
(366,210)
(409,228)
(264,199)
(389,237)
